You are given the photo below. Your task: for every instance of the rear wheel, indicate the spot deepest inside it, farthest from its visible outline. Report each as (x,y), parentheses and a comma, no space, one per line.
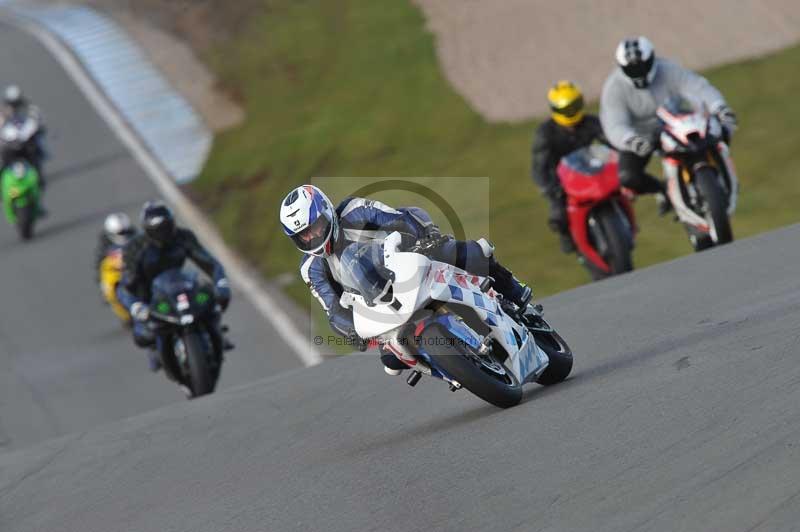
(480,374)
(25,217)
(716,205)
(618,238)
(201,380)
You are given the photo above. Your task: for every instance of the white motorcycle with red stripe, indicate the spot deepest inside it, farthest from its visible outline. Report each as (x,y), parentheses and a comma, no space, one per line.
(701,179)
(444,322)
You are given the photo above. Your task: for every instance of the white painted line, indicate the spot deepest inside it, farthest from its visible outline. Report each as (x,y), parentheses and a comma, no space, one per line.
(109,57)
(234,266)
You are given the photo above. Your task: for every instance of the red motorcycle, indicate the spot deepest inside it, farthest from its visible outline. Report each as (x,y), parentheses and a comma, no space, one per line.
(601,217)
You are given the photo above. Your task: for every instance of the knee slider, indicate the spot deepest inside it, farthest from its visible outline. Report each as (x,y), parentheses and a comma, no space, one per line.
(143,337)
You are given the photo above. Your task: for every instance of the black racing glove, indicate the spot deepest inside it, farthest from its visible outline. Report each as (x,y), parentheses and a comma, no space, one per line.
(430,242)
(641,146)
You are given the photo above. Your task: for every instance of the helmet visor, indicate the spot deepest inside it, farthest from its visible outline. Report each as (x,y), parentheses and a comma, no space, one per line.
(120,238)
(314,236)
(638,70)
(569,110)
(160,229)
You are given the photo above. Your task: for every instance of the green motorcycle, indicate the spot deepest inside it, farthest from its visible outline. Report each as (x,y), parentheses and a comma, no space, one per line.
(20,182)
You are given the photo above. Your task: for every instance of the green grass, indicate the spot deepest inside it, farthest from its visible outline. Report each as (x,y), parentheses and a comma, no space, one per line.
(353,88)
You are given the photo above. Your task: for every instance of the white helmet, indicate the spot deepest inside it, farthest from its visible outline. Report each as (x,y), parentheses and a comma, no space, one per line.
(118,228)
(12,95)
(310,220)
(636,58)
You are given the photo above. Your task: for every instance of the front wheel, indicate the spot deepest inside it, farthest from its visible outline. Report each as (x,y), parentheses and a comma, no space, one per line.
(555,347)
(480,374)
(25,217)
(619,239)
(716,208)
(198,369)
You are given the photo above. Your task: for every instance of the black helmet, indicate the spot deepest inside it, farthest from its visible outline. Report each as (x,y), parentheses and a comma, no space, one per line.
(158,222)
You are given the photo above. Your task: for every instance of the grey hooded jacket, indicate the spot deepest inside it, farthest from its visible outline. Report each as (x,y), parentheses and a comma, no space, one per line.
(627,112)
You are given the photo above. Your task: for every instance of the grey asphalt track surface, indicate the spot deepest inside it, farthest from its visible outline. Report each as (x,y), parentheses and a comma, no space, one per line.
(681,415)
(65,362)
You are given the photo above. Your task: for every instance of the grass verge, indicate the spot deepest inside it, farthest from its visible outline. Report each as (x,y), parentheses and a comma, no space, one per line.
(353,88)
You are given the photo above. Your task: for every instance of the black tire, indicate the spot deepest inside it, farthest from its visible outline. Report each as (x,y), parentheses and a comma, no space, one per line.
(555,347)
(454,358)
(560,362)
(201,380)
(618,256)
(716,203)
(25,217)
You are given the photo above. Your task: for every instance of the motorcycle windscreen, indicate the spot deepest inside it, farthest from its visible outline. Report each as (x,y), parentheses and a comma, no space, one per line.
(590,173)
(363,271)
(679,105)
(173,282)
(590,160)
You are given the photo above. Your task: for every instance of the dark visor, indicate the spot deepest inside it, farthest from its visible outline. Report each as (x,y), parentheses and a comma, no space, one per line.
(313,236)
(638,69)
(571,109)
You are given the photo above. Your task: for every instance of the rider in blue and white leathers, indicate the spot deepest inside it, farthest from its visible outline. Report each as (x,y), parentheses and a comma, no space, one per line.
(322,232)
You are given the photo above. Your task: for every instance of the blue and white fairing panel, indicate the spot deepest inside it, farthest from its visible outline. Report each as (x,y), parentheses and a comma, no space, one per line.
(451,285)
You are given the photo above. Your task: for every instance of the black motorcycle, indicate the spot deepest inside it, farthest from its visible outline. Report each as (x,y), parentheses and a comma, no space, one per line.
(184,314)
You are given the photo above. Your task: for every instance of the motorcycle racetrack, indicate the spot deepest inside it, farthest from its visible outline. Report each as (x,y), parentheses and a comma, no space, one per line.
(66,364)
(681,413)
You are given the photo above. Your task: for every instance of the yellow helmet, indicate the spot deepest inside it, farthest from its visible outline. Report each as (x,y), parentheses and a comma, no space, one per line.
(566,103)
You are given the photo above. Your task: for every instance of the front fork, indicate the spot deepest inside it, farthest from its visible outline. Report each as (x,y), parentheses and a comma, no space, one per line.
(173,350)
(724,155)
(677,174)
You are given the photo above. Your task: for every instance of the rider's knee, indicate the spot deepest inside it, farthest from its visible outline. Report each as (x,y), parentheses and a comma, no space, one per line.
(143,336)
(631,177)
(487,248)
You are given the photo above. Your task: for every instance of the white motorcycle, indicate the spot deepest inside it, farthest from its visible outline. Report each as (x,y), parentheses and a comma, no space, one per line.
(701,179)
(17,135)
(447,323)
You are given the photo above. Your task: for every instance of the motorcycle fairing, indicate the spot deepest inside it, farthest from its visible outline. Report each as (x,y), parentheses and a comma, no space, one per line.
(20,187)
(587,187)
(418,280)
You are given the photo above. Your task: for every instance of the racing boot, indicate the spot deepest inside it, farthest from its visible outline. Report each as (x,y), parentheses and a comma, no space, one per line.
(391,364)
(511,288)
(663,203)
(567,244)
